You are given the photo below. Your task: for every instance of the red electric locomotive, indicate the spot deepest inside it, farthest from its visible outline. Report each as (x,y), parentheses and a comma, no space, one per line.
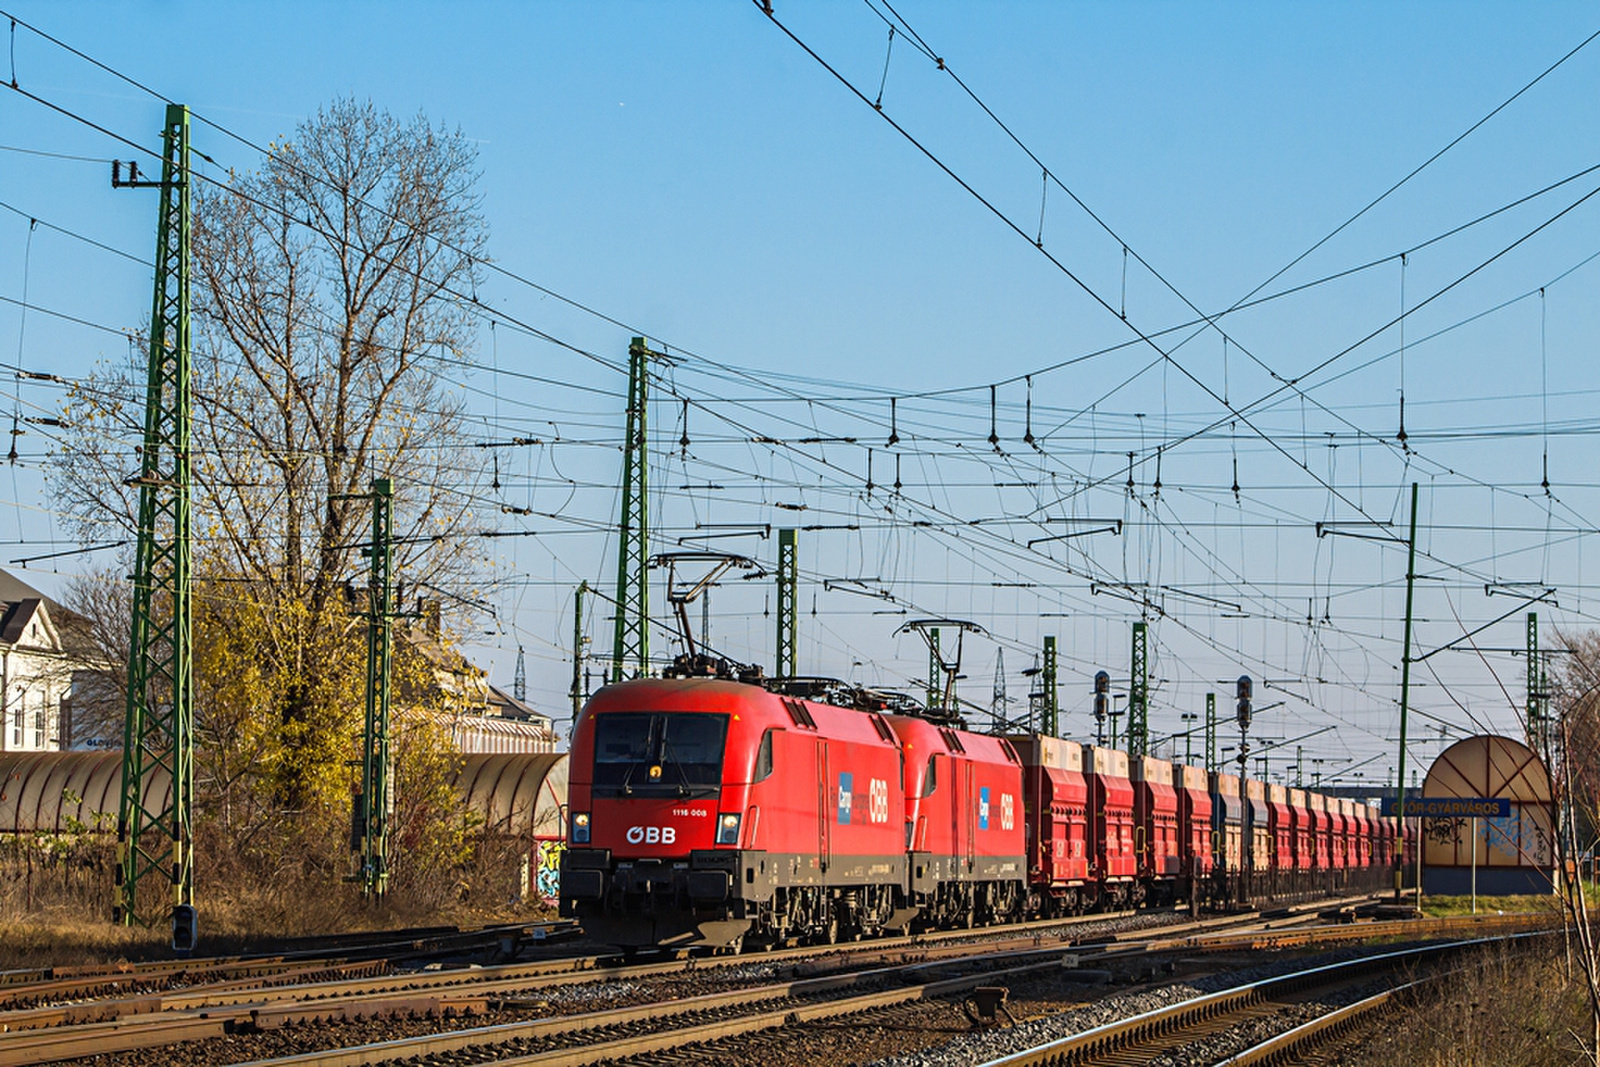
(964,822)
(708,812)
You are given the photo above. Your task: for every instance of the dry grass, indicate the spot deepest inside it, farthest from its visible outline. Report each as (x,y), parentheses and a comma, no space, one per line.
(55,908)
(1506,1006)
(1441,907)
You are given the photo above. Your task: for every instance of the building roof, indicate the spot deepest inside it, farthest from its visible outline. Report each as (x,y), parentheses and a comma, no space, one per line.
(507,706)
(21,602)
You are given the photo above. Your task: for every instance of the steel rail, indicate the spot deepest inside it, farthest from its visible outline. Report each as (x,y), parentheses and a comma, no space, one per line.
(1162,1026)
(1291,1045)
(494,979)
(492,1041)
(466,991)
(377,947)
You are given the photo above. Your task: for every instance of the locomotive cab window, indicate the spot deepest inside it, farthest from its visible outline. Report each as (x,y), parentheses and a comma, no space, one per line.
(930,781)
(764,758)
(671,754)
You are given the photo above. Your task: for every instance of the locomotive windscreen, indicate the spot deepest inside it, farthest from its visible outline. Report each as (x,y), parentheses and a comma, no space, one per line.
(640,753)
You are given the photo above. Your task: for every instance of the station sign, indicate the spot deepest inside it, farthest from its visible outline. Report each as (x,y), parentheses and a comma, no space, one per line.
(1452,807)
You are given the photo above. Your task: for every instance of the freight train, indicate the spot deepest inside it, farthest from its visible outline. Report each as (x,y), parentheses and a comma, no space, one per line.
(714,812)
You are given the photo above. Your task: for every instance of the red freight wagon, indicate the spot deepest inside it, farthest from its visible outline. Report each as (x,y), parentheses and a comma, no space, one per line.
(1194,821)
(1111,820)
(1368,829)
(1155,813)
(1321,831)
(1228,823)
(704,809)
(1263,845)
(1285,831)
(964,822)
(1305,834)
(1056,802)
(1367,833)
(1343,832)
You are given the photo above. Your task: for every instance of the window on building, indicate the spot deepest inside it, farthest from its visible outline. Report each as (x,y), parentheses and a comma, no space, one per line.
(39,730)
(17,724)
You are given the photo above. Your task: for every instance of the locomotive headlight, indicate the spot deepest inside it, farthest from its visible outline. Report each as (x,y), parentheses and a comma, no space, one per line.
(728,829)
(580,828)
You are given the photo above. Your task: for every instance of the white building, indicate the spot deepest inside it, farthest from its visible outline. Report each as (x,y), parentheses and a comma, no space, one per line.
(35,677)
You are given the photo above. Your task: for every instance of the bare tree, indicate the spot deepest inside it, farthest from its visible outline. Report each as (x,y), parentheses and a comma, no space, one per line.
(1575,773)
(332,296)
(96,633)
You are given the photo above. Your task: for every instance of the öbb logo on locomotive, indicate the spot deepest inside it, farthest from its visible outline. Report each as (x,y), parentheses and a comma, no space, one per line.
(652,835)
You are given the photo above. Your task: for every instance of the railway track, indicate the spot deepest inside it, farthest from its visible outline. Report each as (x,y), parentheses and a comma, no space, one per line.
(351,955)
(701,1029)
(207,1011)
(1187,1026)
(1321,1040)
(838,983)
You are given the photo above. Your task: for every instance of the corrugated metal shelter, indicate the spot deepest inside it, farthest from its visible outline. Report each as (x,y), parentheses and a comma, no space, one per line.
(1514,854)
(522,795)
(60,792)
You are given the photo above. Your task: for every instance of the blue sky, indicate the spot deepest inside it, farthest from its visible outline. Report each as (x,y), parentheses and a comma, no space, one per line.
(691,172)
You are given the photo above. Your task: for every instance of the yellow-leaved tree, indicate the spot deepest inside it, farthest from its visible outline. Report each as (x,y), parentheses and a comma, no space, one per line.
(330,296)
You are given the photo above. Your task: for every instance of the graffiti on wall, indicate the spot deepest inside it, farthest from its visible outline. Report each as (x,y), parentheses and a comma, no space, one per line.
(549,878)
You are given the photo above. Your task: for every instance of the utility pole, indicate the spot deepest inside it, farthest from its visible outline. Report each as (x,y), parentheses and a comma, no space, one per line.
(788,657)
(155,833)
(631,645)
(997,707)
(1299,767)
(519,683)
(935,671)
(1139,693)
(579,646)
(1052,706)
(1405,698)
(375,804)
(1211,733)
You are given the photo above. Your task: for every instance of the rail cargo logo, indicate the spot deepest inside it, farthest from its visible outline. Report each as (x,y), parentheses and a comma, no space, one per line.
(1008,811)
(846,781)
(652,835)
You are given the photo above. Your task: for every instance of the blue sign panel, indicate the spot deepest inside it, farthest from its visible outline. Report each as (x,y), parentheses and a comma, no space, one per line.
(983,808)
(846,781)
(1452,807)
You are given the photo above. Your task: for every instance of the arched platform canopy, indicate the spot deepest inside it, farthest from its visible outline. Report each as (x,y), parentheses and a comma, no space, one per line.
(1520,846)
(522,794)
